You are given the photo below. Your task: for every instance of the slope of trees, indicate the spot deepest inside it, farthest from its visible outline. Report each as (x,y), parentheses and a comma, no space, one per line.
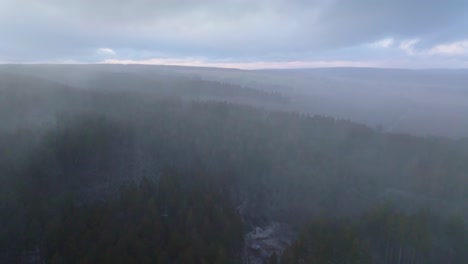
(382,236)
(273,165)
(176,220)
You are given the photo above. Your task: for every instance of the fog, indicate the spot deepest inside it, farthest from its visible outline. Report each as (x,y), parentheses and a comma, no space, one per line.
(134,164)
(418,102)
(234,132)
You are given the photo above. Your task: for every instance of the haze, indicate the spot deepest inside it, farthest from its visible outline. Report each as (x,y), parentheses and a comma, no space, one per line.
(236,131)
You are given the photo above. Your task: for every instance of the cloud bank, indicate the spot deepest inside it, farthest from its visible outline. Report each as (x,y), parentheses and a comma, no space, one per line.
(237,32)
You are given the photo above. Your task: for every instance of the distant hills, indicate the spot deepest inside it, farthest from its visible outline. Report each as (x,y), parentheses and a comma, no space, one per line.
(431,102)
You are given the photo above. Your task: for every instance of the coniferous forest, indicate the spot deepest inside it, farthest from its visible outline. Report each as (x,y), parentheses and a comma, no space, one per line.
(153,174)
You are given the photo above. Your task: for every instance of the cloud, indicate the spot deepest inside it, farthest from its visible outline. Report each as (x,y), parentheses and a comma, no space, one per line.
(106,52)
(408,46)
(383,43)
(449,49)
(261,30)
(455,48)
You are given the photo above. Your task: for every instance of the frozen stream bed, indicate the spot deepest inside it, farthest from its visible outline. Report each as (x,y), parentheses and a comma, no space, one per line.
(262,242)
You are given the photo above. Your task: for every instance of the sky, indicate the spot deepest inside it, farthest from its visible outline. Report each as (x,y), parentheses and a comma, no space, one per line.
(247,34)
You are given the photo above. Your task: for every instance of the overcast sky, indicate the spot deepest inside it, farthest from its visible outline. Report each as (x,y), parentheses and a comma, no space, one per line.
(237,33)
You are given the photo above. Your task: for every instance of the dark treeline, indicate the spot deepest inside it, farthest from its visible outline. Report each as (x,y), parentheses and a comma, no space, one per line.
(62,175)
(382,235)
(178,220)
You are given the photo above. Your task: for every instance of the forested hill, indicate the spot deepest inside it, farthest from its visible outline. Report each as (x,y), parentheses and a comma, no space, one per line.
(70,152)
(418,102)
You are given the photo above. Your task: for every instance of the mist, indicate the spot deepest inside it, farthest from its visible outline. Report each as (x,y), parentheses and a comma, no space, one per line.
(285,146)
(251,132)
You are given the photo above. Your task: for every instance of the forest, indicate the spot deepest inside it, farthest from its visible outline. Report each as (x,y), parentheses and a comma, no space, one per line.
(129,170)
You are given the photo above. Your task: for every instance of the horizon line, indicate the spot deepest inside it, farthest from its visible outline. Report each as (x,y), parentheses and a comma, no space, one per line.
(226,67)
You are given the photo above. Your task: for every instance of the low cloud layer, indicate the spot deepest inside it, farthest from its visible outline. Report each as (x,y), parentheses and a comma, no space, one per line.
(237,32)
